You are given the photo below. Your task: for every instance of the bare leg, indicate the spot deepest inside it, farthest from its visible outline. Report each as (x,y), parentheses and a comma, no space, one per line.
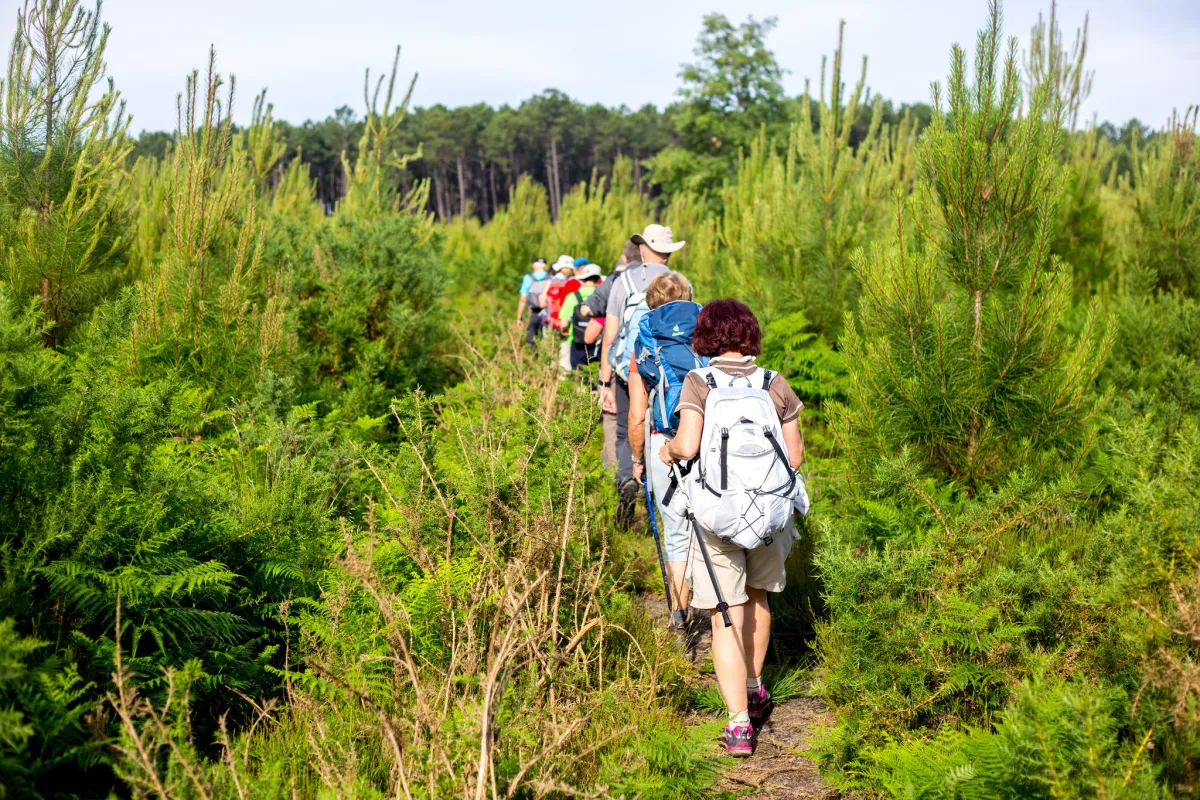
(676,575)
(729,657)
(756,634)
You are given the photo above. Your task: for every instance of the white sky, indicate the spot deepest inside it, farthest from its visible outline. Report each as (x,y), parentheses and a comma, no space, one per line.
(311,54)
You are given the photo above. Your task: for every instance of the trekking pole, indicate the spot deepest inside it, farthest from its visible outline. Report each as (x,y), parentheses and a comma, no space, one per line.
(662,562)
(722,606)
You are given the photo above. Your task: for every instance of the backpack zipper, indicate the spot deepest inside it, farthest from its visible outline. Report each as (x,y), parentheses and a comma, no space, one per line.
(724,459)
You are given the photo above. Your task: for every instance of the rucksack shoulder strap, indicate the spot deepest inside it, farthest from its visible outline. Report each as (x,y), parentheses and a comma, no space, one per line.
(768,376)
(710,380)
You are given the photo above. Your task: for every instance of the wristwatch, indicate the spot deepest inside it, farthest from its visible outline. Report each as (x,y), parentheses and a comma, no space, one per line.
(606,384)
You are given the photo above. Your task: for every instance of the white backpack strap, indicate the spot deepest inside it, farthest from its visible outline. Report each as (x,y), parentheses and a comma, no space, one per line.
(628,281)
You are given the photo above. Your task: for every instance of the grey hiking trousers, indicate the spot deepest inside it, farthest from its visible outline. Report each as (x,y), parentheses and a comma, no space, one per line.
(624,451)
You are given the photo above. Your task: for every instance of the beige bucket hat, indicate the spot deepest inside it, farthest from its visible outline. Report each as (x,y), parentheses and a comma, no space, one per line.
(563,262)
(658,238)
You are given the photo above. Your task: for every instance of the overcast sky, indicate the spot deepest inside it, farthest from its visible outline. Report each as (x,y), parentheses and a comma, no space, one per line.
(311,54)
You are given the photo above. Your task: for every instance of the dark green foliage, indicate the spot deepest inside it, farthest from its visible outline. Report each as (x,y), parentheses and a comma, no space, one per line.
(1055,740)
(814,370)
(994,543)
(370,324)
(102,499)
(667,764)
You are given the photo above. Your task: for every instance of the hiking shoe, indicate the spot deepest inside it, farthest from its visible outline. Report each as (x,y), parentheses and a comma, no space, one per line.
(627,504)
(738,740)
(760,707)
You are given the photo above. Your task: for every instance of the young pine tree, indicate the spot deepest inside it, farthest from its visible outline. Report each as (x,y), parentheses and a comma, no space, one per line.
(63,144)
(1165,194)
(958,352)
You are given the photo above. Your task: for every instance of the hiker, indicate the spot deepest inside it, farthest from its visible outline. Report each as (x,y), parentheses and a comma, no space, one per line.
(580,353)
(561,271)
(626,305)
(741,492)
(537,272)
(595,308)
(539,281)
(662,360)
(562,286)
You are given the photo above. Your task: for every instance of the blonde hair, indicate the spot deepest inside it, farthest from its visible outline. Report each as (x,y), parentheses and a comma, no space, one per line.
(666,287)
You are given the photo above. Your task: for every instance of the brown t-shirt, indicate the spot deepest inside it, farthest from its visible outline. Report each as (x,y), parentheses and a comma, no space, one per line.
(695,390)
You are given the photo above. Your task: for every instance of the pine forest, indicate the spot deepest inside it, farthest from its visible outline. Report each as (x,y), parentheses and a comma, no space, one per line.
(288,509)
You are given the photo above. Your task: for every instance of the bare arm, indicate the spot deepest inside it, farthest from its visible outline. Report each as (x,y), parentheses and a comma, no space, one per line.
(638,404)
(794,443)
(521,306)
(611,324)
(608,399)
(686,443)
(594,329)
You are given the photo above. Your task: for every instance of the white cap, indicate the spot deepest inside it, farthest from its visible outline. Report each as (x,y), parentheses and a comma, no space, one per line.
(588,271)
(658,238)
(564,262)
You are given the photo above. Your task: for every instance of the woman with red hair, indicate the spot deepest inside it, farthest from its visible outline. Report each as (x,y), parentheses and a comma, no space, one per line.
(728,333)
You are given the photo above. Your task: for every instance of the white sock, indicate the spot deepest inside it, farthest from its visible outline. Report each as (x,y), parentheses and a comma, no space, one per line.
(741,718)
(753,684)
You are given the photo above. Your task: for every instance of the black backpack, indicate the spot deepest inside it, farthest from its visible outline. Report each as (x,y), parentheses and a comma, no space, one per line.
(579,323)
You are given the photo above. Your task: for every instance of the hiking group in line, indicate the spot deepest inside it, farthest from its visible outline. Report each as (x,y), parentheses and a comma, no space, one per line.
(710,439)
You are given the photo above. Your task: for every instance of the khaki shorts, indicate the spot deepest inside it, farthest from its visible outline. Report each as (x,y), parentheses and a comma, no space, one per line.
(735,568)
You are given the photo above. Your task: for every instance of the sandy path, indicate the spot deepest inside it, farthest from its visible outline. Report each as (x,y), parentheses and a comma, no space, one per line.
(777,770)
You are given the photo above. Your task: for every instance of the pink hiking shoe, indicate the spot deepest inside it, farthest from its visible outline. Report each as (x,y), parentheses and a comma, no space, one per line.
(738,740)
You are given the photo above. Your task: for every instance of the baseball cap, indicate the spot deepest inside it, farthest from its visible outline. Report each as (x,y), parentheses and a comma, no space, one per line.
(588,271)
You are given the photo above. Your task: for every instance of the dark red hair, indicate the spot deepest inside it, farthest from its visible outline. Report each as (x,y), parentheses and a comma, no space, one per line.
(724,326)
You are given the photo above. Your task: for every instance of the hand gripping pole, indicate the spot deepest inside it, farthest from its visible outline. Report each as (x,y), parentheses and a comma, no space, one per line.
(722,606)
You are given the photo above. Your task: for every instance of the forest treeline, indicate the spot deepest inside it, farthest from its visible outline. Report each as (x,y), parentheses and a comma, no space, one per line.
(474,155)
(287,509)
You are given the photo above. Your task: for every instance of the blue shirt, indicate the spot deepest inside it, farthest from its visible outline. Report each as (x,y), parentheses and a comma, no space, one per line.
(529,279)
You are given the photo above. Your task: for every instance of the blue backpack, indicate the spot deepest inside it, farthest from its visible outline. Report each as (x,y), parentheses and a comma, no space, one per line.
(664,358)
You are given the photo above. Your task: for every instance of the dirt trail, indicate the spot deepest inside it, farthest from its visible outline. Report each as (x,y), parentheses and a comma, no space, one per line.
(777,770)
